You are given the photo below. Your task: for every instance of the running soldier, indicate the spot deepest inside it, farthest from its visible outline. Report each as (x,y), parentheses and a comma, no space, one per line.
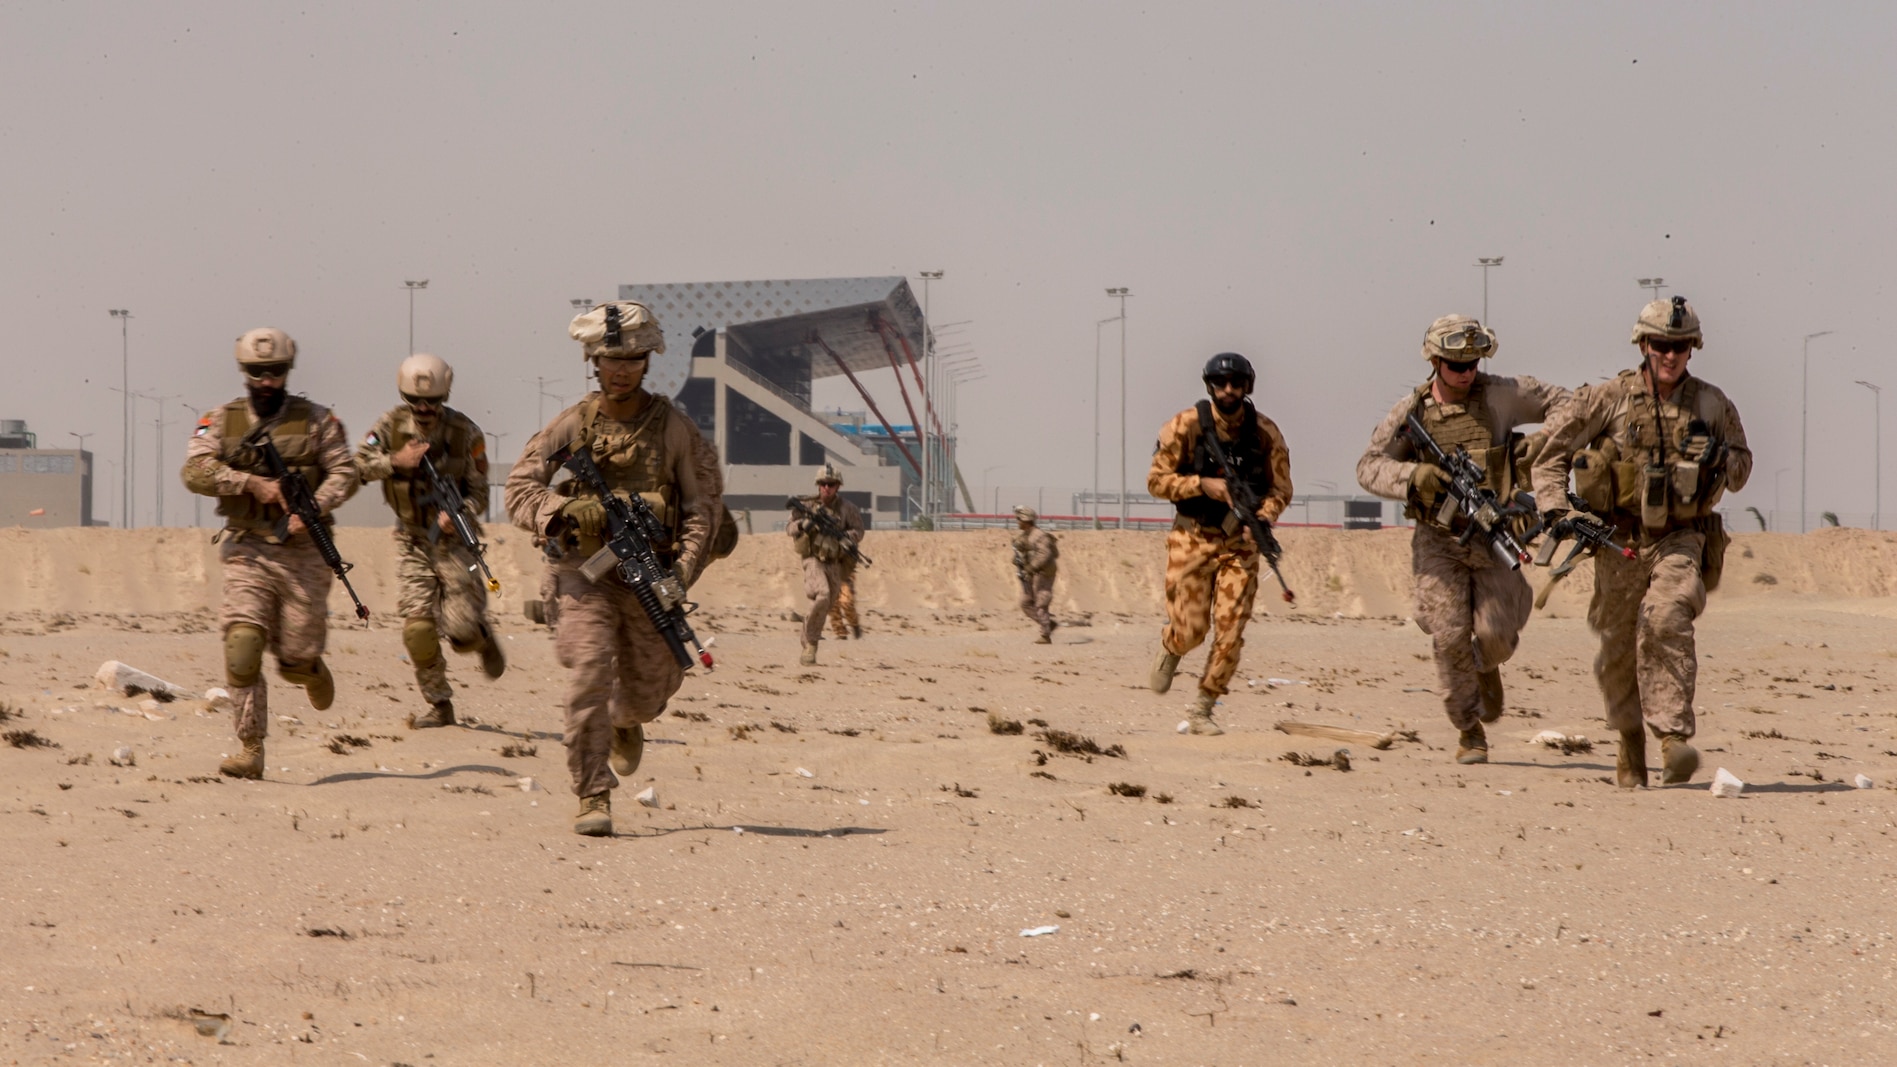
(622,671)
(1036,561)
(441,588)
(276,585)
(1472,606)
(1652,451)
(823,555)
(1211,558)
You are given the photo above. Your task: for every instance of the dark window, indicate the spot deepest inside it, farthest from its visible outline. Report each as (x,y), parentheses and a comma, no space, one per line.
(809,453)
(757,437)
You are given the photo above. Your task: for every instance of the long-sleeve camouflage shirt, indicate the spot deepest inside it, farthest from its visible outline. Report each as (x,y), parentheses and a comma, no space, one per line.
(1181,435)
(326,463)
(1037,550)
(1386,466)
(459,454)
(1620,410)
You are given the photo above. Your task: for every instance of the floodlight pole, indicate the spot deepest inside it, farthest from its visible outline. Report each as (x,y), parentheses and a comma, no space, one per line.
(1804,421)
(1877,436)
(1655,284)
(1096,417)
(1122,292)
(1485,262)
(412,287)
(929,464)
(125,389)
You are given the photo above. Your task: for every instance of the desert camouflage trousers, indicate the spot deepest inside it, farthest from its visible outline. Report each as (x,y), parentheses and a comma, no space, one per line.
(1037,594)
(282,590)
(622,671)
(820,588)
(843,607)
(1211,582)
(1473,609)
(1644,609)
(436,585)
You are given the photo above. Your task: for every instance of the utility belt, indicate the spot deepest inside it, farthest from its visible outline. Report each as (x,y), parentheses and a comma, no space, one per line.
(1229,528)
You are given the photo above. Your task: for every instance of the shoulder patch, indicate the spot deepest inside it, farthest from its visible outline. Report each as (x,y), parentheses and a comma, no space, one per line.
(373,439)
(204,427)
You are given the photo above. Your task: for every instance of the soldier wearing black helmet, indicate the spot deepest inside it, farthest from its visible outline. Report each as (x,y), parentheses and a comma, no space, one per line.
(1472,606)
(1653,450)
(1211,559)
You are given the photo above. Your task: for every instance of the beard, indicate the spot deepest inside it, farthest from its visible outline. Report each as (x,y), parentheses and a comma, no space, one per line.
(1230,409)
(266,400)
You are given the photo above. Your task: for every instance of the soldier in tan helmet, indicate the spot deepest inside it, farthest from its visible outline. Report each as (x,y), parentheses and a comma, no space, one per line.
(1653,451)
(276,587)
(823,555)
(1471,605)
(622,671)
(441,589)
(1036,562)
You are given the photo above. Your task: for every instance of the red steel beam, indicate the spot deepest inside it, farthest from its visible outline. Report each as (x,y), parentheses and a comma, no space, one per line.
(817,339)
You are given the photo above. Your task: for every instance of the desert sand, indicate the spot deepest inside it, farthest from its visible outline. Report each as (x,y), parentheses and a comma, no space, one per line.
(845,858)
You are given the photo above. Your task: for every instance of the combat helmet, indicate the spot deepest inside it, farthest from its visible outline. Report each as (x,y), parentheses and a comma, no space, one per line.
(424,377)
(1023,513)
(829,475)
(621,328)
(1229,365)
(1458,339)
(1672,319)
(265,346)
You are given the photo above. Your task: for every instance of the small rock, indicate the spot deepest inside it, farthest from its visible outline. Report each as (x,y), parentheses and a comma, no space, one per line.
(1727,784)
(1862,782)
(649,796)
(528,785)
(122,757)
(801,773)
(1183,726)
(115,675)
(1040,931)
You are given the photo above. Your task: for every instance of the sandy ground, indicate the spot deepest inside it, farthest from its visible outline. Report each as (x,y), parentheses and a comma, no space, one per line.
(846,857)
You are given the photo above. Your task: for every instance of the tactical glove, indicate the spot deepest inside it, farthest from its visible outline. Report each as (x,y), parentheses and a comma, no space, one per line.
(1429,481)
(584,514)
(1702,446)
(1552,516)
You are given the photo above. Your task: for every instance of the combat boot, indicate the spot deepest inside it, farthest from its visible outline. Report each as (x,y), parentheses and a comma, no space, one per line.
(442,714)
(629,746)
(1473,745)
(1490,683)
(1199,719)
(1163,669)
(1678,760)
(809,658)
(596,816)
(856,631)
(321,688)
(247,764)
(493,659)
(1043,640)
(1630,766)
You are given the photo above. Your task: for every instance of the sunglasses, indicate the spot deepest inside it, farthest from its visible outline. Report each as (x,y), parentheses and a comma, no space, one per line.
(1669,348)
(1463,367)
(1227,381)
(260,371)
(422,403)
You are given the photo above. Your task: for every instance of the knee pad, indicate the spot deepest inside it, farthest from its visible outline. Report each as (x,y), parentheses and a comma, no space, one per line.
(422,640)
(243,654)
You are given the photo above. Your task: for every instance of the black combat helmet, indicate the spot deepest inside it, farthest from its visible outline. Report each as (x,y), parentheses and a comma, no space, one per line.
(1229,365)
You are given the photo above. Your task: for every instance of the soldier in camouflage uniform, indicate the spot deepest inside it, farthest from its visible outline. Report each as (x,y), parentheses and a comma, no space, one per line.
(441,590)
(1036,562)
(1211,559)
(823,557)
(622,671)
(276,585)
(1471,605)
(1653,451)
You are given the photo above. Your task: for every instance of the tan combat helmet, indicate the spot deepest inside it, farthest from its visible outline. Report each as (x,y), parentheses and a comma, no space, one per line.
(618,328)
(1672,319)
(1458,339)
(425,377)
(264,346)
(829,475)
(1023,513)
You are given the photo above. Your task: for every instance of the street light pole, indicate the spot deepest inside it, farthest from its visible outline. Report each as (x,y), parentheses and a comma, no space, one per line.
(1122,293)
(1776,475)
(1655,284)
(125,388)
(929,463)
(1096,417)
(1804,421)
(1877,491)
(1485,262)
(413,286)
(158,504)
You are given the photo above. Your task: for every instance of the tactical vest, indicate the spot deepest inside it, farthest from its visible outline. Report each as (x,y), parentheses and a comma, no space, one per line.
(1636,470)
(294,433)
(809,543)
(1471,424)
(631,456)
(453,457)
(1249,454)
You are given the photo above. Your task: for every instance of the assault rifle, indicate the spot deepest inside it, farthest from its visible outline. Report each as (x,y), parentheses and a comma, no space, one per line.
(1021,567)
(1467,496)
(1589,533)
(826,525)
(1245,502)
(298,500)
(631,529)
(442,495)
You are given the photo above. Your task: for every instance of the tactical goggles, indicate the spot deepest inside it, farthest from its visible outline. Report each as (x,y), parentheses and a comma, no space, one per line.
(260,371)
(1473,340)
(636,357)
(422,403)
(1668,348)
(1460,366)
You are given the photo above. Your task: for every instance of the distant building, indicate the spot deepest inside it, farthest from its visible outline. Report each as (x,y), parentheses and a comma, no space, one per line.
(42,487)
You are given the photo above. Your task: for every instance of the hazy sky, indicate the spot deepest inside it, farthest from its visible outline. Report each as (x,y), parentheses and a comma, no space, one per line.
(1309,187)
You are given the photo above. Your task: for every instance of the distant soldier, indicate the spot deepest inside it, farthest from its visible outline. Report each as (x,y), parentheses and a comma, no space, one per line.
(1470,604)
(1652,451)
(1211,558)
(276,587)
(1036,561)
(622,670)
(823,554)
(441,588)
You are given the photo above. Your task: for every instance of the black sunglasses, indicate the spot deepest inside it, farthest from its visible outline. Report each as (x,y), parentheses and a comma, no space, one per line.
(1669,348)
(260,371)
(1460,368)
(422,402)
